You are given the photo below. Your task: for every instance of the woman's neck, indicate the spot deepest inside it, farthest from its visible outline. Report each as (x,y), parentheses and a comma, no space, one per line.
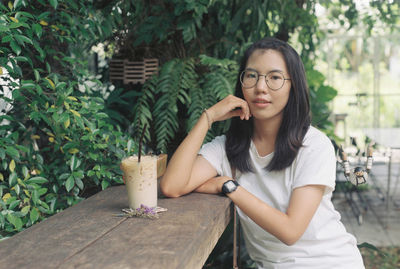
(264,135)
(266,129)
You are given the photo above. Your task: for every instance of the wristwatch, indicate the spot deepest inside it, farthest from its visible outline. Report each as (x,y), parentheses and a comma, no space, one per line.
(229,186)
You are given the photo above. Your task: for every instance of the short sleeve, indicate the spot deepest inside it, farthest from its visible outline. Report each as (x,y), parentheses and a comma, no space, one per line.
(316,162)
(214,153)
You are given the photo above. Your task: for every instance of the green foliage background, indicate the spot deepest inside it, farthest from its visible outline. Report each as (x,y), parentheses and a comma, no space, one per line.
(57,146)
(69,127)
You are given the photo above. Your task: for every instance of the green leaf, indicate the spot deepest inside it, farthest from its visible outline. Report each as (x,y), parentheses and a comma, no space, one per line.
(48,68)
(28,86)
(44,15)
(14,204)
(44,208)
(75,163)
(15,47)
(42,191)
(12,152)
(10,199)
(53,3)
(79,183)
(7,38)
(17,189)
(78,174)
(25,171)
(34,215)
(326,93)
(17,3)
(21,59)
(39,49)
(64,117)
(23,39)
(104,184)
(37,180)
(37,75)
(14,220)
(61,85)
(101,146)
(69,184)
(12,179)
(37,28)
(35,197)
(64,176)
(22,14)
(25,210)
(3,28)
(52,204)
(14,25)
(101,115)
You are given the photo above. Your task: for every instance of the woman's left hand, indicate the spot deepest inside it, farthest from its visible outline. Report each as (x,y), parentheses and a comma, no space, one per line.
(213,185)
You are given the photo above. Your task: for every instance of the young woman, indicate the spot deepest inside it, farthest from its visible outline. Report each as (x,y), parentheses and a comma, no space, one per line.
(285,168)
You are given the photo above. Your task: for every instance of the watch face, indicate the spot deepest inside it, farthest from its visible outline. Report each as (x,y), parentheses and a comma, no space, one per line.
(230,186)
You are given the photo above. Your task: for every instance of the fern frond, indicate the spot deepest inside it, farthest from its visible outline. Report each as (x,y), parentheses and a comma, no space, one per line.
(215,62)
(143,115)
(165,109)
(218,83)
(179,84)
(196,107)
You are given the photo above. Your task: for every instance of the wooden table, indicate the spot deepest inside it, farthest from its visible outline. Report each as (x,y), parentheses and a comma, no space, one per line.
(89,235)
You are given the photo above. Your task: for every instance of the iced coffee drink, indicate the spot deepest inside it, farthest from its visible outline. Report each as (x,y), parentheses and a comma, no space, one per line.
(141,180)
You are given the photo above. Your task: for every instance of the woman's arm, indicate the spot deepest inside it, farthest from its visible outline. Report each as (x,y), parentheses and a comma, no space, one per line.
(176,179)
(186,170)
(287,226)
(211,186)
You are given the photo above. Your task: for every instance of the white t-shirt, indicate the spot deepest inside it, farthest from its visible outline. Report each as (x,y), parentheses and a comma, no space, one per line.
(325,243)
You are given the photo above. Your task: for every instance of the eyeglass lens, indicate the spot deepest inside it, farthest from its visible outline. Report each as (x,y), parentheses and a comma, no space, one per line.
(274,80)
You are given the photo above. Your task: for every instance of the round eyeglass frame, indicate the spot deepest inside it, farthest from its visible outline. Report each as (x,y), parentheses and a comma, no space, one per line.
(266,80)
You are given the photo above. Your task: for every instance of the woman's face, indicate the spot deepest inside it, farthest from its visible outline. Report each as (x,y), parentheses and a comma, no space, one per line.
(264,102)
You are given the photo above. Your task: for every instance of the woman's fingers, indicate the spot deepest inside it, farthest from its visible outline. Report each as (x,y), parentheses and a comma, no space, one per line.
(240,108)
(235,113)
(245,110)
(229,107)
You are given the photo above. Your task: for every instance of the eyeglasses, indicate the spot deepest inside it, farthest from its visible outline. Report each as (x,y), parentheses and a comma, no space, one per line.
(274,79)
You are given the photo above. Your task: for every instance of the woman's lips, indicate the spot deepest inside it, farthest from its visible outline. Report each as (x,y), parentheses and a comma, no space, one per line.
(261,103)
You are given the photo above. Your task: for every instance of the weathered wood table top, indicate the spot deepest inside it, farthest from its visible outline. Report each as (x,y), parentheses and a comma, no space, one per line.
(90,235)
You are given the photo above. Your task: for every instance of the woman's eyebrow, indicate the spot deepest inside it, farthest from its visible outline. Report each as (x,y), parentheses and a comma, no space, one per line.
(273,70)
(276,70)
(251,69)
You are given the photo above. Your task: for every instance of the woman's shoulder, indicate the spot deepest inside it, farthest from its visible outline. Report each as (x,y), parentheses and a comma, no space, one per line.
(218,140)
(315,138)
(316,147)
(217,143)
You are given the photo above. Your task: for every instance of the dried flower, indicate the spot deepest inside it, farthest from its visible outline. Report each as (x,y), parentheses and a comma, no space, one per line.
(143,212)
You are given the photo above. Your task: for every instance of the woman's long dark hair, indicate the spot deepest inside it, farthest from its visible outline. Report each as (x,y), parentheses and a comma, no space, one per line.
(296,115)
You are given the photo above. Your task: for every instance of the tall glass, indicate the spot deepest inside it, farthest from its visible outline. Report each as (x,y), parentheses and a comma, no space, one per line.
(141,180)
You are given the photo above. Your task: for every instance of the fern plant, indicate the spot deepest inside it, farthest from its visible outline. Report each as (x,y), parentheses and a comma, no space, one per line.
(173,101)
(218,83)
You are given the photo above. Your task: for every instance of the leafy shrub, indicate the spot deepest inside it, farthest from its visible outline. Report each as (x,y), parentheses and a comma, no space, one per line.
(320,97)
(57,146)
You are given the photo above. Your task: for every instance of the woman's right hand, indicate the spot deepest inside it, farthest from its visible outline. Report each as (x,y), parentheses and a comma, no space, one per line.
(229,107)
(186,170)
